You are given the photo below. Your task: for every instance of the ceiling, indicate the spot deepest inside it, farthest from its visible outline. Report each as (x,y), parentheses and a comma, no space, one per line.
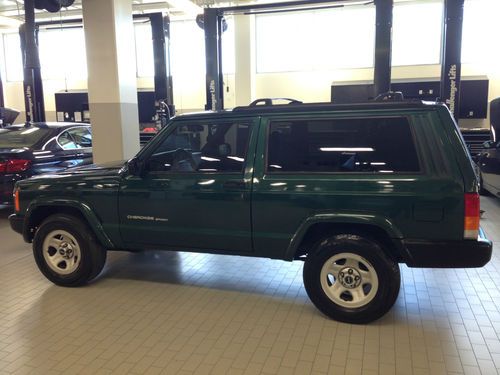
(13,9)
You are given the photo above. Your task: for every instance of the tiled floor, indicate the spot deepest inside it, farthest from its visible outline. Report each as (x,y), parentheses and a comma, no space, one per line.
(178,313)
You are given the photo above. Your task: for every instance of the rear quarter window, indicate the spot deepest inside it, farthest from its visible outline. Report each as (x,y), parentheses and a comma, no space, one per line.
(369,145)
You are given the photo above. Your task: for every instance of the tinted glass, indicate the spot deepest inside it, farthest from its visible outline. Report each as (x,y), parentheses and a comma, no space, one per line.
(17,137)
(81,136)
(383,145)
(66,141)
(203,148)
(74,138)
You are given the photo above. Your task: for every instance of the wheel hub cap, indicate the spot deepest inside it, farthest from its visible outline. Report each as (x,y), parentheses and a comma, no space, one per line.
(61,252)
(350,277)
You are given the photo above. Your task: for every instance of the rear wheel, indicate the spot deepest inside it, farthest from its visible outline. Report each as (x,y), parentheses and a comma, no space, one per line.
(66,251)
(350,279)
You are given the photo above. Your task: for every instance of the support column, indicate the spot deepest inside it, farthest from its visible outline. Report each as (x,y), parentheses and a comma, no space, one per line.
(160,29)
(213,32)
(244,59)
(33,87)
(451,65)
(112,82)
(383,46)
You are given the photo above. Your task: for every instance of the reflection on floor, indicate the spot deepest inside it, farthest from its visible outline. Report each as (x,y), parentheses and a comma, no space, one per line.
(180,313)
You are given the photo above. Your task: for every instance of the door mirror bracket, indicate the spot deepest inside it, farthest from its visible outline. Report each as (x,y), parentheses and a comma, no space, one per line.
(135,167)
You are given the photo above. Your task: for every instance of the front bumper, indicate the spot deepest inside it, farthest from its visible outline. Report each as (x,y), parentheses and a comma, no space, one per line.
(16,223)
(449,254)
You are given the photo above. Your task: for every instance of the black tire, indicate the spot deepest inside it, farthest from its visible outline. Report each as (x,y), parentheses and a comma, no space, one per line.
(92,254)
(368,252)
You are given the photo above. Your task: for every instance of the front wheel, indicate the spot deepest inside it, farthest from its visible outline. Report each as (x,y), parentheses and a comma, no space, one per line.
(350,279)
(66,251)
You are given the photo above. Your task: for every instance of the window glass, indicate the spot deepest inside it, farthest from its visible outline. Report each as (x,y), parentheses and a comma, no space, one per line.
(62,53)
(81,136)
(348,39)
(480,22)
(416,33)
(13,58)
(66,141)
(383,145)
(203,148)
(20,136)
(144,50)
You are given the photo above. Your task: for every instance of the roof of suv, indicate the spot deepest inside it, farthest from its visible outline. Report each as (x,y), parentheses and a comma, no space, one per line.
(325,106)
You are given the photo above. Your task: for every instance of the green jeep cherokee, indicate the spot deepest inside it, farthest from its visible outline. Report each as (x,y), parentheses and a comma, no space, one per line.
(352,190)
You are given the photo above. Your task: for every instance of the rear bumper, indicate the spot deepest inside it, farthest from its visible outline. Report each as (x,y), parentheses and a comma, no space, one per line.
(449,254)
(16,223)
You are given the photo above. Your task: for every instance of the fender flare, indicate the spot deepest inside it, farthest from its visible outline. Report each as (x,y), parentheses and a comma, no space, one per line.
(341,218)
(92,220)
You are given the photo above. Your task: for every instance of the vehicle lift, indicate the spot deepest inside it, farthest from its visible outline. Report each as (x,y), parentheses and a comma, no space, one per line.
(33,86)
(451,50)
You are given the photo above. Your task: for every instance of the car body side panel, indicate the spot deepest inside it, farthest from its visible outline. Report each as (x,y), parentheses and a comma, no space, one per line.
(426,204)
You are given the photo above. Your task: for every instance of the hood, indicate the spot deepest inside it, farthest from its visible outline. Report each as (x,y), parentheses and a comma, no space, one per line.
(109,169)
(97,168)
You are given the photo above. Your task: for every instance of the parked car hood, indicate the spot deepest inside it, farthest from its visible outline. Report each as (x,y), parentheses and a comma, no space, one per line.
(110,169)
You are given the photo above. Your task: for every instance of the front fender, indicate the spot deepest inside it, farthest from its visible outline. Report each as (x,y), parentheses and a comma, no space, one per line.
(341,218)
(82,207)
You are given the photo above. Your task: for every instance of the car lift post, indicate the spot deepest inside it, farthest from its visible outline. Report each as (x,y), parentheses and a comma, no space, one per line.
(33,88)
(213,53)
(383,46)
(160,29)
(451,66)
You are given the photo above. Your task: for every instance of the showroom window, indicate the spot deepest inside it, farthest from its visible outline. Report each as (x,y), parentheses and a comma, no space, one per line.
(316,40)
(13,57)
(383,145)
(62,54)
(202,148)
(144,49)
(417,33)
(187,49)
(480,24)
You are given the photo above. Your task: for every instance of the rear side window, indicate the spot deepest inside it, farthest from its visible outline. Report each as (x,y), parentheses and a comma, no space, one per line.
(371,145)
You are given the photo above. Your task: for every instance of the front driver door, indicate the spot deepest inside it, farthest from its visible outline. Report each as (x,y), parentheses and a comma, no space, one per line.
(195,192)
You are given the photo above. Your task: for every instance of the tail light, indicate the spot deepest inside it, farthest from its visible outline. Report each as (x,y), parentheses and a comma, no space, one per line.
(14,165)
(17,206)
(471,215)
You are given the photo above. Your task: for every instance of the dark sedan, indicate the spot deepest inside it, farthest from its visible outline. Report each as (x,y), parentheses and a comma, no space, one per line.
(28,150)
(489,168)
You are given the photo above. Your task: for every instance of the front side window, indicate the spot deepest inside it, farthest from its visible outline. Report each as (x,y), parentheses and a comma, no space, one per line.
(203,147)
(371,145)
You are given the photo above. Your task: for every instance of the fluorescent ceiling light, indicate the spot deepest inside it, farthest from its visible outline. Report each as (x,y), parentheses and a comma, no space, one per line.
(346,149)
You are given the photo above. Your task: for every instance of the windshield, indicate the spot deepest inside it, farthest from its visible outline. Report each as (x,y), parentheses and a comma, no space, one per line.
(18,137)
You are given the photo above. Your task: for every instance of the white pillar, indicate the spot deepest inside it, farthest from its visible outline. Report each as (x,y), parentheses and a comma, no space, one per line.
(112,83)
(244,49)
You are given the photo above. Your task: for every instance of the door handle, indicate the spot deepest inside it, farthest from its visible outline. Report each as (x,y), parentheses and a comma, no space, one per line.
(234,184)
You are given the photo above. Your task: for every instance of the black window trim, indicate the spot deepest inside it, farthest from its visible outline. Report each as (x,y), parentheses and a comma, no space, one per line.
(245,121)
(270,119)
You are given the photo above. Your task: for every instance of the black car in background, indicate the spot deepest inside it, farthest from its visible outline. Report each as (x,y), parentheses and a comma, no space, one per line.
(28,150)
(489,168)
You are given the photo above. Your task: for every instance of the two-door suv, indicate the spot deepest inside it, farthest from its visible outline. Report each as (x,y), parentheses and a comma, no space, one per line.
(352,190)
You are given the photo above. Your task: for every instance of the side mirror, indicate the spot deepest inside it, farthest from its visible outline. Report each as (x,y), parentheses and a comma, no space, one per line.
(135,167)
(488,144)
